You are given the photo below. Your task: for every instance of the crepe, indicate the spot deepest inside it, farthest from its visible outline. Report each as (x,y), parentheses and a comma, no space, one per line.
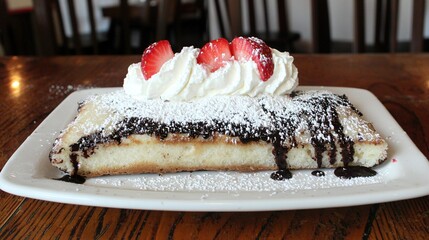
(116,134)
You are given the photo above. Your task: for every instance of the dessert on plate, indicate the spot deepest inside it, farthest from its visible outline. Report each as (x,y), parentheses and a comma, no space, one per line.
(229,106)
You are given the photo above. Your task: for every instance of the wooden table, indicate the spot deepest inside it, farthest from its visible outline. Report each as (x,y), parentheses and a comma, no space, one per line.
(32,87)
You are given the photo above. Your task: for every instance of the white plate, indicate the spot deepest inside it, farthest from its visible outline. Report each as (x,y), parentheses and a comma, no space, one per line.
(404,175)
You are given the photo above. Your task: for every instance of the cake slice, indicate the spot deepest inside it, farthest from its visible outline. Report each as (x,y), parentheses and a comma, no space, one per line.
(114,133)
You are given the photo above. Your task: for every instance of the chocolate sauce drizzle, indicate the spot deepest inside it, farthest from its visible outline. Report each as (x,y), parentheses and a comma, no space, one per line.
(320,115)
(72,179)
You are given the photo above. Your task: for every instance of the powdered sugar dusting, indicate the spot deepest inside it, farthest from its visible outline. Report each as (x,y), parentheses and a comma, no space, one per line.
(234,182)
(62,90)
(236,109)
(264,112)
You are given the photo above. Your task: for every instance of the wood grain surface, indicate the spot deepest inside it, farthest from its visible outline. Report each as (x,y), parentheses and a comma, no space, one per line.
(32,87)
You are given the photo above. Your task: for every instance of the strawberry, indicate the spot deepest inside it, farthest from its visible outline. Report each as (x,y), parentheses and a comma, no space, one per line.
(253,48)
(154,57)
(214,54)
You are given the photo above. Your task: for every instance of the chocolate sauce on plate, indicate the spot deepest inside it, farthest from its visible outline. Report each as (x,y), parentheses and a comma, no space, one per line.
(354,171)
(281,174)
(72,179)
(318,173)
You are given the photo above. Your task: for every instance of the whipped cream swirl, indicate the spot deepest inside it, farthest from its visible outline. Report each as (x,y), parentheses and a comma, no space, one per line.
(182,79)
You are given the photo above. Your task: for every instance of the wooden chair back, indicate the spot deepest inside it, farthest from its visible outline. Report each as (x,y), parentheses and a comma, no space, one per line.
(51,33)
(228,22)
(387,40)
(5,41)
(386,26)
(230,17)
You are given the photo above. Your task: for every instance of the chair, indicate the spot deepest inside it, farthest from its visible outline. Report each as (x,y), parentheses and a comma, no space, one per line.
(5,40)
(386,26)
(125,18)
(16,33)
(231,23)
(321,31)
(150,18)
(387,41)
(417,35)
(188,23)
(51,34)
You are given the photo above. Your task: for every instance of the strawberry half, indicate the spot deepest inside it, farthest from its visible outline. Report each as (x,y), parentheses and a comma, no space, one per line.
(214,54)
(154,57)
(253,48)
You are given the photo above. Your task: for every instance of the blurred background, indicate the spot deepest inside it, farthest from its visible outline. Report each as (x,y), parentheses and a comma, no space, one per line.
(68,27)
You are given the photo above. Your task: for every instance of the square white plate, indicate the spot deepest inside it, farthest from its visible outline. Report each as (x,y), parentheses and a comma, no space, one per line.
(404,175)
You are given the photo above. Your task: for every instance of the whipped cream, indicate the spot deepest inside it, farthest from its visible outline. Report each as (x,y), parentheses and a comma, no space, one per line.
(182,79)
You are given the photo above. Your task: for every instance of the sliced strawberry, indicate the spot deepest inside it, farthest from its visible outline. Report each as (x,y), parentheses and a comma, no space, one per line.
(155,56)
(214,54)
(253,48)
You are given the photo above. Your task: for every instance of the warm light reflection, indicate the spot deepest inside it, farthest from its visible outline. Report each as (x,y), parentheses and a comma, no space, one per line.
(15,82)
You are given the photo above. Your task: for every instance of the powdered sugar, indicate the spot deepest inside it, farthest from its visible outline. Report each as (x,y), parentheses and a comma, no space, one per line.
(284,114)
(233,182)
(61,90)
